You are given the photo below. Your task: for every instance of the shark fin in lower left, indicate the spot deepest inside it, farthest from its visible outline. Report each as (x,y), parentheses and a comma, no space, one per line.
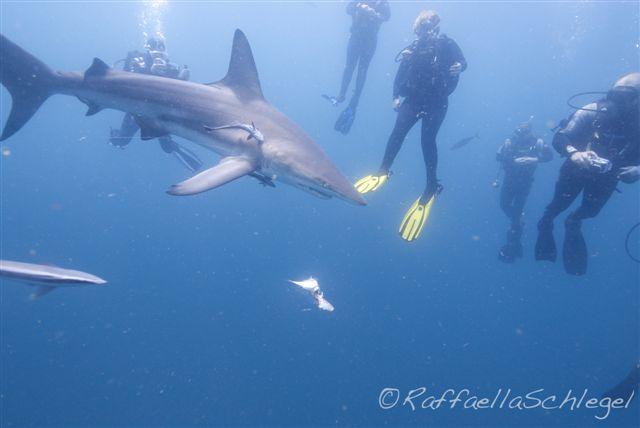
(229,169)
(41,290)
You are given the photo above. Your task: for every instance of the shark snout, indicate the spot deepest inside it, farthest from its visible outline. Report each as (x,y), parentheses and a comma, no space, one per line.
(350,194)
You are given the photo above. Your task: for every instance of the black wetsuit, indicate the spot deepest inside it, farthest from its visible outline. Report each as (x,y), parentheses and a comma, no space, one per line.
(518,178)
(613,136)
(424,79)
(362,44)
(516,185)
(138,62)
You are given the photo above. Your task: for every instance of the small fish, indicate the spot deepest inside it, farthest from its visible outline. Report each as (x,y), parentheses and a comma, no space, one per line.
(465,141)
(333,100)
(251,129)
(311,285)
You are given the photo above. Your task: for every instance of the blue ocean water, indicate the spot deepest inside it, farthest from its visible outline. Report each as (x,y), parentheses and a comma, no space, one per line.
(198,325)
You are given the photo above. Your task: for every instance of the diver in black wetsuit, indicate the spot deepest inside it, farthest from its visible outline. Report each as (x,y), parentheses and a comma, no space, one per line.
(154,61)
(367,18)
(601,142)
(518,156)
(429,71)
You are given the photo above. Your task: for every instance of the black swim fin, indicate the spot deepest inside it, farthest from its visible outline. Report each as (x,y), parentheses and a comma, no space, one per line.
(512,250)
(546,244)
(344,122)
(189,159)
(574,250)
(185,156)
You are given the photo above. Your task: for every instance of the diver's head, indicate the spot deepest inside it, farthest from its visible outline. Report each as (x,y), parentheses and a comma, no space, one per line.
(523,129)
(155,44)
(625,93)
(426,24)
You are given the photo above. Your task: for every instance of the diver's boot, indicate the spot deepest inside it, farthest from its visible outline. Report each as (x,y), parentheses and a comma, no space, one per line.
(574,250)
(417,215)
(345,120)
(545,244)
(371,183)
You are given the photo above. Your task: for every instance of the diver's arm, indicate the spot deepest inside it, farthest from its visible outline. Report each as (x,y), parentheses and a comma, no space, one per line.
(401,77)
(457,55)
(575,135)
(545,154)
(503,152)
(383,13)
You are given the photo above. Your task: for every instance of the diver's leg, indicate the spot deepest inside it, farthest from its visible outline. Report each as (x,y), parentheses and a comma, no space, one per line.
(507,195)
(514,234)
(569,185)
(521,193)
(430,126)
(121,137)
(368,48)
(186,157)
(417,215)
(352,59)
(597,192)
(407,117)
(509,251)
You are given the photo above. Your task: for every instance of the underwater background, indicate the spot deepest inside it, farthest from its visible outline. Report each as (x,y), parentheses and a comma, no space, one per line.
(198,324)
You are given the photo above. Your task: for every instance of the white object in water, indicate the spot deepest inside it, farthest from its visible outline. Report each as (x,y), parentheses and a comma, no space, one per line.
(312,286)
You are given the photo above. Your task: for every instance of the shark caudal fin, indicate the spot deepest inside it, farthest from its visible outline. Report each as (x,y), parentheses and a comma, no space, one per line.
(28,80)
(242,75)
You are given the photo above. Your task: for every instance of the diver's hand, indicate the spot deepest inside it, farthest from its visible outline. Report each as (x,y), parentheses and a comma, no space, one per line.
(455,69)
(526,160)
(629,174)
(582,159)
(396,103)
(366,8)
(184,74)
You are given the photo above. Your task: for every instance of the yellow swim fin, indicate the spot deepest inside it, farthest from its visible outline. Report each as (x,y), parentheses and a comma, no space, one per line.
(414,220)
(371,183)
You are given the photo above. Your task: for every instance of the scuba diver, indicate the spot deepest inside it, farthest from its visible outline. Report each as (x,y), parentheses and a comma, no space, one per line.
(154,61)
(367,18)
(428,73)
(601,142)
(518,156)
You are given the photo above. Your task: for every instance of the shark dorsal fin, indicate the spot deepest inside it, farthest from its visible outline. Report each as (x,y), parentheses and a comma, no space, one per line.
(242,76)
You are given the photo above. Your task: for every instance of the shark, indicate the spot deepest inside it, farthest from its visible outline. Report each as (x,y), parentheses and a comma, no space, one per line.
(190,110)
(46,278)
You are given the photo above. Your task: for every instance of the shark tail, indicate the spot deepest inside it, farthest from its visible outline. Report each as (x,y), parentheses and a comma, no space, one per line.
(29,81)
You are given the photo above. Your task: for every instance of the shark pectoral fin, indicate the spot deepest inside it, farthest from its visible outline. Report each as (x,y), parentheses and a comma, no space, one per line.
(41,290)
(227,170)
(93,108)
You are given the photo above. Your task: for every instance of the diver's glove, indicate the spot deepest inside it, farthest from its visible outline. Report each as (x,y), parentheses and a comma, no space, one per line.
(629,174)
(581,159)
(455,69)
(371,183)
(591,161)
(396,103)
(525,160)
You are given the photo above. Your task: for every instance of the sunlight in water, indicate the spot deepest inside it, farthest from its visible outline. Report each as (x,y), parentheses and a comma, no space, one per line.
(151,21)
